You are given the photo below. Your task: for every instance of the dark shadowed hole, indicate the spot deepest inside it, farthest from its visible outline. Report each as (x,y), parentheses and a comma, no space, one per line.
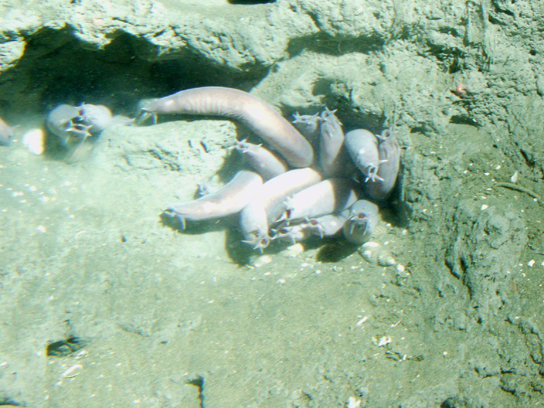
(59,68)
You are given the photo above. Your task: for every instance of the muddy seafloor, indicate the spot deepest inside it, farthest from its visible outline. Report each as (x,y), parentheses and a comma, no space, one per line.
(105,302)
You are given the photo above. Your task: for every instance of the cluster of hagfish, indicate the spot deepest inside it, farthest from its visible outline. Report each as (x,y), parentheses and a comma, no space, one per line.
(287,194)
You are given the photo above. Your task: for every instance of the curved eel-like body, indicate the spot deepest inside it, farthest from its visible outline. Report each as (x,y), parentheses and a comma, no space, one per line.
(261,159)
(332,153)
(363,218)
(239,105)
(230,199)
(329,196)
(362,146)
(267,205)
(389,151)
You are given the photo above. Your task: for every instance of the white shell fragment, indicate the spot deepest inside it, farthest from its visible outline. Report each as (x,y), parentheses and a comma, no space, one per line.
(72,371)
(377,254)
(34,141)
(261,261)
(381,341)
(353,402)
(401,271)
(514,178)
(360,322)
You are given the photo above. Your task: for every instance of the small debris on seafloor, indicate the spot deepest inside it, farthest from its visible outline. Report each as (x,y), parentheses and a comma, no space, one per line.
(292,251)
(514,178)
(260,261)
(377,254)
(353,402)
(382,341)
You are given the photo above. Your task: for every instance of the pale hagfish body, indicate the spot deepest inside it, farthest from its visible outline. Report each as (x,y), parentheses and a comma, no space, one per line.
(251,111)
(230,199)
(292,204)
(332,153)
(389,154)
(362,146)
(97,117)
(293,233)
(261,159)
(268,205)
(78,122)
(362,219)
(308,125)
(327,197)
(328,225)
(60,123)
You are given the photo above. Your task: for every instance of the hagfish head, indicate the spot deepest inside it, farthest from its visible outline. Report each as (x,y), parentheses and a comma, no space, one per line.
(95,118)
(368,162)
(258,240)
(242,146)
(316,227)
(389,166)
(327,225)
(289,209)
(308,125)
(360,224)
(291,233)
(147,110)
(70,122)
(358,229)
(63,123)
(329,116)
(371,172)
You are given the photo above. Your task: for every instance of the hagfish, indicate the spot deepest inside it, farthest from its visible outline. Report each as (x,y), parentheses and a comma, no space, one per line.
(97,117)
(59,122)
(332,153)
(327,197)
(268,204)
(362,219)
(239,105)
(362,146)
(389,153)
(293,233)
(84,121)
(261,159)
(230,199)
(328,225)
(308,125)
